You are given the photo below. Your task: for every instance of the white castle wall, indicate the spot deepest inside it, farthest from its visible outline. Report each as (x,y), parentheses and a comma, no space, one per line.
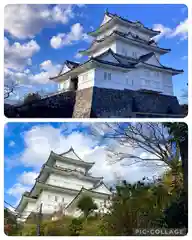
(135,79)
(51,201)
(105,48)
(129,50)
(68,182)
(26,212)
(86,79)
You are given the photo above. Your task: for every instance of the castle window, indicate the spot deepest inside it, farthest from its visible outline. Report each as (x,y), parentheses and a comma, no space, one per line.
(147,82)
(56,198)
(134,54)
(107,76)
(129,81)
(63,199)
(124,52)
(157,74)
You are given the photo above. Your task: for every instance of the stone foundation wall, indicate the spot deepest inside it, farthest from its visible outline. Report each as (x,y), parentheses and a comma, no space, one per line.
(99,103)
(83,103)
(57,106)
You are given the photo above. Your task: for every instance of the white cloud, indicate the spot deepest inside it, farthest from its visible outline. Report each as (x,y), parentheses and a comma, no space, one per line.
(17,190)
(78,55)
(76,34)
(181,30)
(44,136)
(48,70)
(184,58)
(28,79)
(17,56)
(11,144)
(26,20)
(27,178)
(86,147)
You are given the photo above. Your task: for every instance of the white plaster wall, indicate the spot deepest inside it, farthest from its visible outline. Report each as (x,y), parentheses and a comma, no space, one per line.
(167,84)
(68,182)
(65,69)
(121,47)
(86,79)
(28,209)
(154,80)
(117,79)
(69,166)
(106,19)
(102,189)
(109,58)
(64,85)
(107,32)
(130,48)
(51,201)
(104,49)
(136,79)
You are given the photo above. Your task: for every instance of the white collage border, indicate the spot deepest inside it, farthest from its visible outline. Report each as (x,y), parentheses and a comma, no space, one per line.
(4,120)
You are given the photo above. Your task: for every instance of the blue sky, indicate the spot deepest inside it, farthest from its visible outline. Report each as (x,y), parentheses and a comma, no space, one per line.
(28,145)
(37,44)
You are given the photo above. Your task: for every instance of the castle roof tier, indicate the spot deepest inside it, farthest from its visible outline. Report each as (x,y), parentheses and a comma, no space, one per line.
(47,170)
(129,38)
(69,157)
(119,61)
(110,20)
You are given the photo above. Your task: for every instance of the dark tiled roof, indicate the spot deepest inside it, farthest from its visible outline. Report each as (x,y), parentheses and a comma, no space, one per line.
(122,65)
(131,62)
(70,65)
(136,23)
(126,36)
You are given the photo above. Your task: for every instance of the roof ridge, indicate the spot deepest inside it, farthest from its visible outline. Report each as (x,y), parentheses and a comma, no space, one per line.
(134,22)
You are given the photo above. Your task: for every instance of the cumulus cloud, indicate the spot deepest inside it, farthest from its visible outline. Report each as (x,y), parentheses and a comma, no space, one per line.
(48,70)
(27,178)
(17,55)
(63,39)
(85,146)
(28,79)
(17,190)
(184,58)
(78,55)
(11,144)
(24,183)
(26,20)
(45,136)
(181,31)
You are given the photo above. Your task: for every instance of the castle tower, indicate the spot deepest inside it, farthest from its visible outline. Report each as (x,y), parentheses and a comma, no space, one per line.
(62,181)
(122,69)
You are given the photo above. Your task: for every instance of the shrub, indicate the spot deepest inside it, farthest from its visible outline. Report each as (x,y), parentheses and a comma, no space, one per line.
(75,227)
(32,97)
(86,205)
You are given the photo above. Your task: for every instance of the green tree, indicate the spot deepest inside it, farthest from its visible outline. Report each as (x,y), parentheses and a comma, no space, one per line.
(140,205)
(86,205)
(32,97)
